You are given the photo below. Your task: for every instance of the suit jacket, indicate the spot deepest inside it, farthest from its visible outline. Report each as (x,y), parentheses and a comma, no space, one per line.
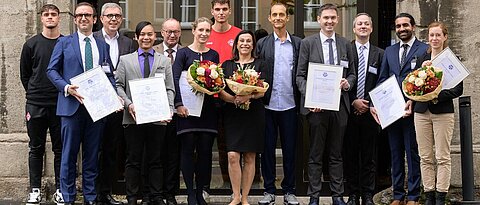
(445,97)
(311,51)
(129,69)
(66,62)
(266,51)
(391,62)
(375,55)
(125,45)
(160,48)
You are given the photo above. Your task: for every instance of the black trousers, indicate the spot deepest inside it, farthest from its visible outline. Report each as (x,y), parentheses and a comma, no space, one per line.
(327,129)
(171,160)
(39,120)
(197,166)
(360,152)
(151,138)
(107,163)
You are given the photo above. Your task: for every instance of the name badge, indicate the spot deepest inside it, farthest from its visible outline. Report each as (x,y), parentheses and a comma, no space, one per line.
(372,69)
(413,63)
(161,75)
(106,67)
(344,63)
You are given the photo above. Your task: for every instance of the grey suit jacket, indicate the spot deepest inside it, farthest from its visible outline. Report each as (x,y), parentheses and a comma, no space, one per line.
(129,69)
(125,45)
(311,51)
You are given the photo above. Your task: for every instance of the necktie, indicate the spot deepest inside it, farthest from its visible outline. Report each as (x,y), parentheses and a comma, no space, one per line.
(88,54)
(170,52)
(146,65)
(361,73)
(404,55)
(330,52)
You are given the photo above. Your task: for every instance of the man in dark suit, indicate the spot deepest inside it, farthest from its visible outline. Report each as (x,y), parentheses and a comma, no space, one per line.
(111,17)
(73,55)
(399,60)
(362,130)
(171,33)
(280,52)
(326,127)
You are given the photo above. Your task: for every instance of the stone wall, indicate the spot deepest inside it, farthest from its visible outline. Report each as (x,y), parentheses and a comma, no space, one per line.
(20,21)
(461,18)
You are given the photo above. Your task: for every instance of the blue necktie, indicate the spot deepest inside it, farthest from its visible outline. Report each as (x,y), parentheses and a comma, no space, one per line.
(361,73)
(331,59)
(88,55)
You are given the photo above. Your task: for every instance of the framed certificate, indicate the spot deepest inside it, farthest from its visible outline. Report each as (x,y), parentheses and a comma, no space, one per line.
(149,96)
(454,71)
(388,101)
(99,96)
(323,86)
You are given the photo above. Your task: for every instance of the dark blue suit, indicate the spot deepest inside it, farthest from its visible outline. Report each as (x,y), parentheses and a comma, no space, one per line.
(77,126)
(401,134)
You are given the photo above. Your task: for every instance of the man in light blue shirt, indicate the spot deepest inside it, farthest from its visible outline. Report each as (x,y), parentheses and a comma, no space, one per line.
(280,51)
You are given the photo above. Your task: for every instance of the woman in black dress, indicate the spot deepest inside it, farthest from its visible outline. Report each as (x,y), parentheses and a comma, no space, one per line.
(244,129)
(196,133)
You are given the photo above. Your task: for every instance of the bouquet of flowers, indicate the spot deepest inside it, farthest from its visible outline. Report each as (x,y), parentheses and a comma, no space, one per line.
(423,84)
(245,81)
(205,77)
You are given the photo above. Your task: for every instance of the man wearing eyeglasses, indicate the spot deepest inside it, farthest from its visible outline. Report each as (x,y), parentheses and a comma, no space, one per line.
(74,55)
(171,32)
(111,18)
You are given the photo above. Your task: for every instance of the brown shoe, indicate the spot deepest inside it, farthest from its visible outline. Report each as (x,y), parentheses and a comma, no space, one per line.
(412,203)
(397,202)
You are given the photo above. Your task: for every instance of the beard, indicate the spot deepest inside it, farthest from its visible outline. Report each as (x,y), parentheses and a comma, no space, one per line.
(404,37)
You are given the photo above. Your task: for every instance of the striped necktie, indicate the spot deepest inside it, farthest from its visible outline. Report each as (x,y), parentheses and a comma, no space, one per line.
(361,73)
(88,54)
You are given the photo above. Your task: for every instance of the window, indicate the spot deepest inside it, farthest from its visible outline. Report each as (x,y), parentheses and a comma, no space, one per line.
(311,9)
(162,9)
(249,15)
(124,5)
(189,12)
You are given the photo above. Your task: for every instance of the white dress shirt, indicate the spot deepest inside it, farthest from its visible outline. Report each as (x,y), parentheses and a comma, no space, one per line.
(366,51)
(95,53)
(325,45)
(410,44)
(113,43)
(175,49)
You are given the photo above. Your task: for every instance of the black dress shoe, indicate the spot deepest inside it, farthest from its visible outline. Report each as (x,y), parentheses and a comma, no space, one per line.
(89,203)
(200,199)
(367,199)
(157,201)
(171,200)
(353,200)
(132,201)
(337,200)
(107,199)
(69,203)
(313,201)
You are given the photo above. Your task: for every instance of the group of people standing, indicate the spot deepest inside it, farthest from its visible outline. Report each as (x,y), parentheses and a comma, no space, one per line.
(156,152)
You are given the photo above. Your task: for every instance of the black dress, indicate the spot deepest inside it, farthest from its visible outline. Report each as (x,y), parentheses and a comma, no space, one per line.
(244,129)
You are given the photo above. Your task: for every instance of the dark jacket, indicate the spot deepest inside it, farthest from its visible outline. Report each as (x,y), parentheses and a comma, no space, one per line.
(125,45)
(266,51)
(445,97)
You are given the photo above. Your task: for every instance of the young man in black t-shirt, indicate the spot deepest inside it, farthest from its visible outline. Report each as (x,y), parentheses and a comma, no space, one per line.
(40,109)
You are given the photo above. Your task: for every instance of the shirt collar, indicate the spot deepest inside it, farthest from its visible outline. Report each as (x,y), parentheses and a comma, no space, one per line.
(323,37)
(165,47)
(410,42)
(140,51)
(106,36)
(81,36)
(275,36)
(367,45)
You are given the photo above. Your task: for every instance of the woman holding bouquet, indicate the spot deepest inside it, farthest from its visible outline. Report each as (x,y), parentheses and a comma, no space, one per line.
(143,63)
(434,122)
(196,133)
(244,129)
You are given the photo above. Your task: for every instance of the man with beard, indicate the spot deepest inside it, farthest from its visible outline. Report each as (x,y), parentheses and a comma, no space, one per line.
(399,60)
(41,102)
(111,17)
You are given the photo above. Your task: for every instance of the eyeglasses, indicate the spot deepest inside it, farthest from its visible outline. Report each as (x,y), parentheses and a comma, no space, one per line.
(110,16)
(79,16)
(169,32)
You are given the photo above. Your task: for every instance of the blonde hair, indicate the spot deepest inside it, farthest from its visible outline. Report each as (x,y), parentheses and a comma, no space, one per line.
(200,20)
